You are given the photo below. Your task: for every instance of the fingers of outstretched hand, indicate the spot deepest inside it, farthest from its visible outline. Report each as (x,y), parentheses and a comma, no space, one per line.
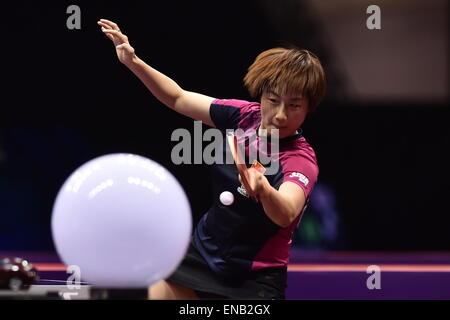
(111,24)
(115,33)
(104,25)
(125,46)
(110,36)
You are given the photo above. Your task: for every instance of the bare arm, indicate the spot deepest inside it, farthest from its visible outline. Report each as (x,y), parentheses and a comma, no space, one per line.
(282,206)
(191,104)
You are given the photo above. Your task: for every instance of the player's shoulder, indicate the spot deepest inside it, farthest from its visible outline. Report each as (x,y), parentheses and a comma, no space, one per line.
(298,147)
(236,103)
(299,153)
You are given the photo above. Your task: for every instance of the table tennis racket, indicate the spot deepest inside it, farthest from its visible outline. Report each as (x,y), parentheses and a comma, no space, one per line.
(239,160)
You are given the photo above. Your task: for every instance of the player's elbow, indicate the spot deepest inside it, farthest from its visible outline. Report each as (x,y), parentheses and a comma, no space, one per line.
(287,218)
(175,101)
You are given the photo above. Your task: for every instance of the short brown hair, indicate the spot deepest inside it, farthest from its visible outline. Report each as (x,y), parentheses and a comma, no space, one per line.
(295,71)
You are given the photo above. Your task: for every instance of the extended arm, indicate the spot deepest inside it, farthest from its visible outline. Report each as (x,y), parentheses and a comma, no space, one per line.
(191,104)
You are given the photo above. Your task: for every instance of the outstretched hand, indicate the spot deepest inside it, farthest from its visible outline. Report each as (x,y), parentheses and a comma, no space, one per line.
(125,52)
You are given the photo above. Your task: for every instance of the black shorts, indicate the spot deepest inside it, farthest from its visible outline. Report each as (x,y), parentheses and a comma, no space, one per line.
(194,273)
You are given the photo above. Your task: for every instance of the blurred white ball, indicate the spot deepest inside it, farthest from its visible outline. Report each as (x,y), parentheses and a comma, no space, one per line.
(123,219)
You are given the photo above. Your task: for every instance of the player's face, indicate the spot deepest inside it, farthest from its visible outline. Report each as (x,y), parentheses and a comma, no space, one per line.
(283,112)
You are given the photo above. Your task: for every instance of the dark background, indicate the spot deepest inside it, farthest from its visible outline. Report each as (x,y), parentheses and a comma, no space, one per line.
(67,99)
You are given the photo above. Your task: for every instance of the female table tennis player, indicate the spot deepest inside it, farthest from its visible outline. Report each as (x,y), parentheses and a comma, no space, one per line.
(241,250)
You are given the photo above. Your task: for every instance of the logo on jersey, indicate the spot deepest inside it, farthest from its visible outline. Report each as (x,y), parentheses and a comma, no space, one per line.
(242,191)
(300,177)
